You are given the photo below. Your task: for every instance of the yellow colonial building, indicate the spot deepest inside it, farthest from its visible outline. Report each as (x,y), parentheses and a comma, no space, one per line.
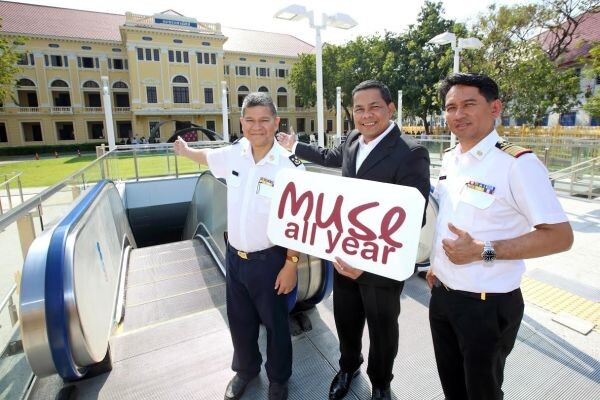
(164,69)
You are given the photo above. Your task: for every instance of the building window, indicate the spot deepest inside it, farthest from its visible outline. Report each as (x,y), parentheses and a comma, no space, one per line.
(181,94)
(32,131)
(263,89)
(211,125)
(117,63)
(329,125)
(148,53)
(151,94)
(87,62)
(179,56)
(90,85)
(65,131)
(95,129)
(226,70)
(568,119)
(242,93)
(282,97)
(206,58)
(3,134)
(208,96)
(26,59)
(262,71)
(154,130)
(281,72)
(56,61)
(242,71)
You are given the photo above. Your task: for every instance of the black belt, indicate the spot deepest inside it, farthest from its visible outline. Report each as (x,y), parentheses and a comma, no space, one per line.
(255,255)
(474,295)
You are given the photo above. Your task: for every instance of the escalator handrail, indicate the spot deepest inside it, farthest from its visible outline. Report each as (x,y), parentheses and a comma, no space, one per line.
(57,322)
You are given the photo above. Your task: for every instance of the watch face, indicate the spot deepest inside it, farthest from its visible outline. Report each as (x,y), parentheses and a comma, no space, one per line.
(488,255)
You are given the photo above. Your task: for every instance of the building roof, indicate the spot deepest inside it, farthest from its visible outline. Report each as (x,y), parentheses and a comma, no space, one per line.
(584,37)
(31,20)
(249,41)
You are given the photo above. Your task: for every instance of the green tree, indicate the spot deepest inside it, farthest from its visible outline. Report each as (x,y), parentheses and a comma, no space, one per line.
(593,103)
(8,66)
(421,66)
(530,81)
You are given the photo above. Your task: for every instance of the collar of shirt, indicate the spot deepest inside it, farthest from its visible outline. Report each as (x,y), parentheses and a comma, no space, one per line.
(365,148)
(271,157)
(483,147)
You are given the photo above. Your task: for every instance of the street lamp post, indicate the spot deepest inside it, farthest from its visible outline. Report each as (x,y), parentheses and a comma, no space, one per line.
(297,12)
(457,45)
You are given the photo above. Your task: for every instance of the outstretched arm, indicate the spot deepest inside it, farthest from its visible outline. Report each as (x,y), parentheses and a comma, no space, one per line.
(181,148)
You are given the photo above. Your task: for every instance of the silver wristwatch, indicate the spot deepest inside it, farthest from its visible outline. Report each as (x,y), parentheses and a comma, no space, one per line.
(488,254)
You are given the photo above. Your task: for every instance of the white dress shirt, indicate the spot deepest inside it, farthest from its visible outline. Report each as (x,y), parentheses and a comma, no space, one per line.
(493,196)
(365,148)
(249,190)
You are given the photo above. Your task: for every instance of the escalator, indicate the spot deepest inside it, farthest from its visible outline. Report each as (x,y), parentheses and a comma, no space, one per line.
(92,301)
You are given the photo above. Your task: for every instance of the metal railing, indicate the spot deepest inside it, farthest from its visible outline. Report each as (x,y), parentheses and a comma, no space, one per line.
(8,179)
(578,180)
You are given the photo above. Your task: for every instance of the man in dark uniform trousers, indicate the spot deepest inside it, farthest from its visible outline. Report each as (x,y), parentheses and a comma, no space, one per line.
(496,208)
(376,151)
(259,275)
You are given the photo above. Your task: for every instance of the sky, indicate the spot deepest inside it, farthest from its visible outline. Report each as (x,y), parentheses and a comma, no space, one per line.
(376,17)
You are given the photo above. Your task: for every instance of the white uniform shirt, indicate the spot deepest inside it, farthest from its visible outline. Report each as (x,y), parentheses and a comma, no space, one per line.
(517,196)
(249,190)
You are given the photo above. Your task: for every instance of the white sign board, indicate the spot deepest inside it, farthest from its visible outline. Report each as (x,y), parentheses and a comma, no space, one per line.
(372,226)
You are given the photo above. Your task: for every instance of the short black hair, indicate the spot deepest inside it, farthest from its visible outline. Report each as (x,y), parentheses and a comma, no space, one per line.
(259,99)
(373,84)
(486,85)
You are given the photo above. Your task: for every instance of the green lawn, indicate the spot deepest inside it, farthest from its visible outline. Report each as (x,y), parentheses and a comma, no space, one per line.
(48,171)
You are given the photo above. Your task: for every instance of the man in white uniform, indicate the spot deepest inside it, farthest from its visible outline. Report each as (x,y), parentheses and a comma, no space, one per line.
(259,274)
(496,208)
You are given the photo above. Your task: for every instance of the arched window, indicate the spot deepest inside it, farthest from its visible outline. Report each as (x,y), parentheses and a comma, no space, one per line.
(59,83)
(263,89)
(181,91)
(120,85)
(90,85)
(180,79)
(282,98)
(25,82)
(242,93)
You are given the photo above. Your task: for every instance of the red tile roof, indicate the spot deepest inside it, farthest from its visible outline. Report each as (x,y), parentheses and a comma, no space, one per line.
(249,41)
(31,20)
(583,38)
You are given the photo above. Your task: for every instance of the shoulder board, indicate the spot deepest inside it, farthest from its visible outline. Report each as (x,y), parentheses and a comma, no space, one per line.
(512,149)
(236,141)
(450,149)
(295,160)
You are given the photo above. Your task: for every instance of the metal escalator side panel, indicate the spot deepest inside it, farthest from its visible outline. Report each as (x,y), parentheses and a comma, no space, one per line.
(32,308)
(95,247)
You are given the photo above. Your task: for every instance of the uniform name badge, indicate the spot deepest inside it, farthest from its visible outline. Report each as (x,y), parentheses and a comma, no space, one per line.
(265,187)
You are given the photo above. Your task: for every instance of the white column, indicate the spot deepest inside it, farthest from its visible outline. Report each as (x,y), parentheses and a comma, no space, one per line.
(224,113)
(399,123)
(338,112)
(108,120)
(456,70)
(320,130)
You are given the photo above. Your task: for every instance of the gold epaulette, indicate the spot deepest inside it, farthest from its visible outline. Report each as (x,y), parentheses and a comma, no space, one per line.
(512,149)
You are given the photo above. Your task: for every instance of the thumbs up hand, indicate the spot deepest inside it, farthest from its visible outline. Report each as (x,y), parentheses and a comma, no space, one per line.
(464,249)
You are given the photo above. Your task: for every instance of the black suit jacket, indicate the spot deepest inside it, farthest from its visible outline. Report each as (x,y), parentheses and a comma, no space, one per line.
(397,159)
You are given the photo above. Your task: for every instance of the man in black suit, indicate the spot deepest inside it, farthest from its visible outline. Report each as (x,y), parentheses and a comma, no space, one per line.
(376,151)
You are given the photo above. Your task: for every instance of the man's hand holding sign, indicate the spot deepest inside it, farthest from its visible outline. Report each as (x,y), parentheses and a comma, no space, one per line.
(361,225)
